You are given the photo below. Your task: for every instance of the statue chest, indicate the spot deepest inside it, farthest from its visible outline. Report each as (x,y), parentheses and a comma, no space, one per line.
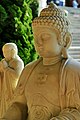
(42,88)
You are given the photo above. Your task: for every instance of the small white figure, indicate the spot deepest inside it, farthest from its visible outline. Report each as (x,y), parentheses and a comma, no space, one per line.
(11,67)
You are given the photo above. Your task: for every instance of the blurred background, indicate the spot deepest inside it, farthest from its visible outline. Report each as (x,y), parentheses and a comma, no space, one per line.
(15,25)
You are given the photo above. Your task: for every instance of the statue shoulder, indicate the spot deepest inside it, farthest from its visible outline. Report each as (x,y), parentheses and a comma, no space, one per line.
(32,64)
(73,65)
(16,63)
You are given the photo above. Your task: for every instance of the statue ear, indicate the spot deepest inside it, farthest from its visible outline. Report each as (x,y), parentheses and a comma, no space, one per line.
(13,52)
(68,40)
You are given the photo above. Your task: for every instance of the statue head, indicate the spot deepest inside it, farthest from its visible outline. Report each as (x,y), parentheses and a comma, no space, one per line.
(10,50)
(55,20)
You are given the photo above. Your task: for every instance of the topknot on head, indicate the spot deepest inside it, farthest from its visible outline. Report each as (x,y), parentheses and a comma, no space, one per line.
(51,11)
(53,17)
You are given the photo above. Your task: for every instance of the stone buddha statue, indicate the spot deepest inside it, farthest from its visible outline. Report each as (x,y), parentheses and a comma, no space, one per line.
(48,88)
(11,67)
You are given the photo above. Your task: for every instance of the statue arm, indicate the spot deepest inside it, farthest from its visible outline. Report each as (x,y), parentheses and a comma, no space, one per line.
(72,95)
(18,105)
(3,65)
(12,72)
(14,69)
(68,114)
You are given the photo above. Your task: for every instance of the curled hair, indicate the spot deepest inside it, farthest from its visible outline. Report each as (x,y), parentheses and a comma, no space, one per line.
(55,18)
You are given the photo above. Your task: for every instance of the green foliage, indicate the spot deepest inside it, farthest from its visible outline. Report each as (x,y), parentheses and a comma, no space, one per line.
(34,6)
(15,26)
(3,17)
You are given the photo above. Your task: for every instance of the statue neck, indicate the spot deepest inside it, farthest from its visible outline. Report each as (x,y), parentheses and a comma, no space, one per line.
(52,61)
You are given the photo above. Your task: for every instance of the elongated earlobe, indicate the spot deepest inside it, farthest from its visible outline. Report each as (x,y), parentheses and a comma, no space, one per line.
(67,40)
(67,43)
(64,52)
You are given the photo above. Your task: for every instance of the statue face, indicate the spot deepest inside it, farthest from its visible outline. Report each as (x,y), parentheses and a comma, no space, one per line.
(46,42)
(7,52)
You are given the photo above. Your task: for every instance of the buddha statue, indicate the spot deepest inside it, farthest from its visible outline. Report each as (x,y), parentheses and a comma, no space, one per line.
(11,67)
(48,88)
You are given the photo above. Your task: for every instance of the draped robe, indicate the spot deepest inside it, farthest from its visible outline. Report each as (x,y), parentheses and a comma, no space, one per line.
(8,81)
(69,94)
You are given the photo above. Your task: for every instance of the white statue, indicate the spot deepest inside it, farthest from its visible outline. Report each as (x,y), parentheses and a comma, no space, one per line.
(49,88)
(10,69)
